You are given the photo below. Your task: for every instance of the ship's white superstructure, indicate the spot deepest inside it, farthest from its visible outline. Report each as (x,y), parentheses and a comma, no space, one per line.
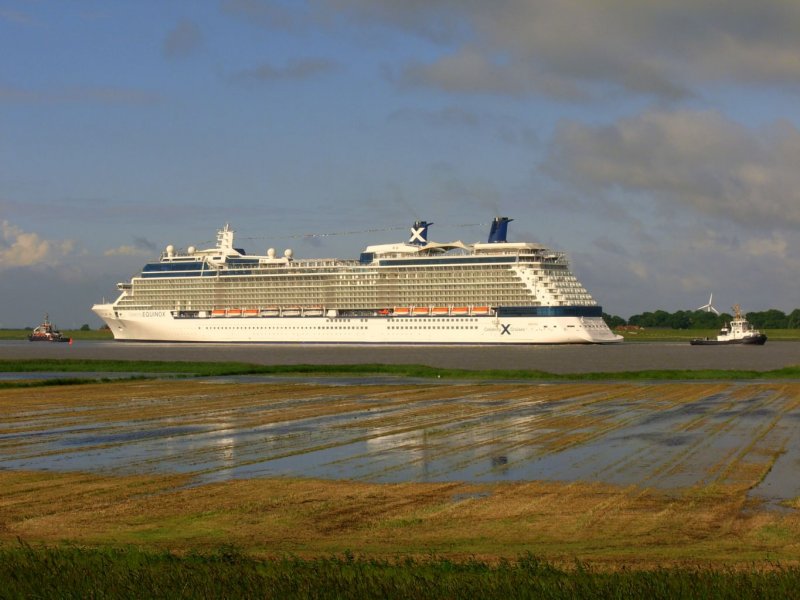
(417,292)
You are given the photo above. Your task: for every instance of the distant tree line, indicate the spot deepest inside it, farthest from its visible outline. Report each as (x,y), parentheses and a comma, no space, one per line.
(700,319)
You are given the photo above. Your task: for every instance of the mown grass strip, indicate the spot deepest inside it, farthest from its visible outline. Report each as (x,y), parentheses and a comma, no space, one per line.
(120,366)
(72,572)
(60,381)
(211,369)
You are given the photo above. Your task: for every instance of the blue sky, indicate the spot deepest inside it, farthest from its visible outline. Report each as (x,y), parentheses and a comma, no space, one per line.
(657,144)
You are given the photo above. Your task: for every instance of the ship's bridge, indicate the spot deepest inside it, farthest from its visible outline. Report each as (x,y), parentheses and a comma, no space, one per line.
(508,248)
(405,250)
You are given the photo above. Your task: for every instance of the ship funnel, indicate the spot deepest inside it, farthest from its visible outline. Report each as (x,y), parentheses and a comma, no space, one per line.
(419,233)
(499,229)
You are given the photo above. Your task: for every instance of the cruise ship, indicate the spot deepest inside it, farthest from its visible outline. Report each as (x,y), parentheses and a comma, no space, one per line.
(413,292)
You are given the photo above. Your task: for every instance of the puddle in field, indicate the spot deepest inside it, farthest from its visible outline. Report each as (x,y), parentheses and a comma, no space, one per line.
(528,433)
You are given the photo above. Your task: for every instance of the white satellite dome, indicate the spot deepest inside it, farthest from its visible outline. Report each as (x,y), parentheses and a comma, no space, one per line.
(288,253)
(271,252)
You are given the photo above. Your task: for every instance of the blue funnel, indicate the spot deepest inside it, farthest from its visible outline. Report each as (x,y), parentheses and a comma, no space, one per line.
(419,233)
(499,229)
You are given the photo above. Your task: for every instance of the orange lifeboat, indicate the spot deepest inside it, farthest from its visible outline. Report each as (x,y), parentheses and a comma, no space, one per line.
(234,312)
(480,310)
(218,312)
(460,311)
(402,311)
(440,311)
(250,312)
(421,311)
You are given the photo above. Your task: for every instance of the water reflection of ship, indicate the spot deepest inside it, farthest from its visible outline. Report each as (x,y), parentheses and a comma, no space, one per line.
(415,447)
(427,454)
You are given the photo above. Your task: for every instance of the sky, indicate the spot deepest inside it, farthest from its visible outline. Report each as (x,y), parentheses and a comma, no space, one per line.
(656,143)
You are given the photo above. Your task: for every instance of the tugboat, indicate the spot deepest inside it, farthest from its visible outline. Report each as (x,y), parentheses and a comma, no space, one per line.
(47,332)
(739,331)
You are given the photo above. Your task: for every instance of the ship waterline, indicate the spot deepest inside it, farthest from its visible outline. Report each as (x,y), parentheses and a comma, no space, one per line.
(417,292)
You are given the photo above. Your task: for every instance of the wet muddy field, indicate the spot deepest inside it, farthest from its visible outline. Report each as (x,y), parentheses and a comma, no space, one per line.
(668,436)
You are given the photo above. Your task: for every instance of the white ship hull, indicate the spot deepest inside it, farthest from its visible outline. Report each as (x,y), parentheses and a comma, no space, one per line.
(163,326)
(417,292)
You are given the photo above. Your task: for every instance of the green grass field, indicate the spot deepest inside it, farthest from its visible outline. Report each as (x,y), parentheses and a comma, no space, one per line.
(208,369)
(70,572)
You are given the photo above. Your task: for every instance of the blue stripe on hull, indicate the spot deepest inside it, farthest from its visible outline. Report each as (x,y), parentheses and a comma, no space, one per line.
(550,311)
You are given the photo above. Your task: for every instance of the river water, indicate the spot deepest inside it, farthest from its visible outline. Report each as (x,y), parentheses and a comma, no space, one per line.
(552,359)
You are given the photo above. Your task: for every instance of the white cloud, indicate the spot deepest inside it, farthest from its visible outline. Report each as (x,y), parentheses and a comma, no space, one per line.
(507,129)
(299,69)
(639,269)
(776,246)
(268,15)
(15,16)
(183,40)
(21,249)
(127,250)
(698,160)
(577,48)
(79,95)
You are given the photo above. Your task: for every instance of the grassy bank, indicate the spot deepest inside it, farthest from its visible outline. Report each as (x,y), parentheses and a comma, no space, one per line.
(69,572)
(208,369)
(685,335)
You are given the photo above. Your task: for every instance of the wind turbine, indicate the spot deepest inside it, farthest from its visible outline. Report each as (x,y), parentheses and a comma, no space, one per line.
(709,307)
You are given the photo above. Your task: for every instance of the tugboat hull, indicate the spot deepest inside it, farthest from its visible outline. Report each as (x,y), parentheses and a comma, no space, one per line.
(755,340)
(39,338)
